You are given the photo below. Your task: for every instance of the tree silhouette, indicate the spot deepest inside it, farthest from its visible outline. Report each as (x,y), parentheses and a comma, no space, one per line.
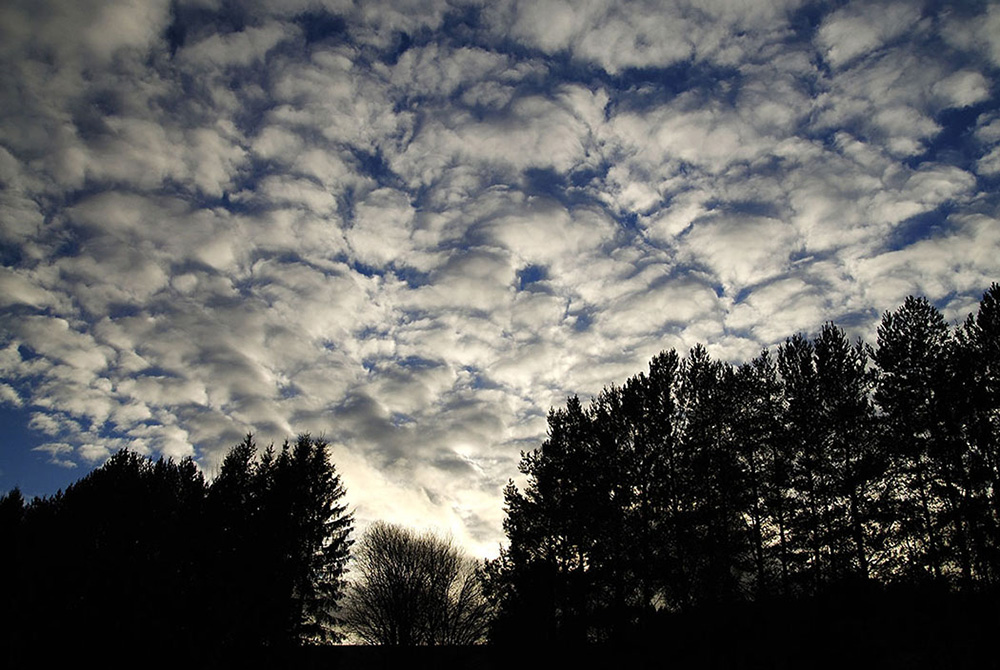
(830,482)
(555,527)
(255,558)
(757,425)
(712,524)
(119,548)
(912,356)
(284,533)
(976,400)
(851,456)
(700,486)
(311,520)
(414,589)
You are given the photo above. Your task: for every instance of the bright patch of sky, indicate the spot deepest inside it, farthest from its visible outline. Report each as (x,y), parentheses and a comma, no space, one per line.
(414,227)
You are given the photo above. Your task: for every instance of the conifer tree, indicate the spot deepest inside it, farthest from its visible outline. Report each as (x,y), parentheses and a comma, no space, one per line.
(758,437)
(911,355)
(285,545)
(977,379)
(851,454)
(830,467)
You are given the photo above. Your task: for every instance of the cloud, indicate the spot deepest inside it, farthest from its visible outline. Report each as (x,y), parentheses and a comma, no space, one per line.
(962,89)
(780,309)
(242,48)
(953,262)
(381,230)
(974,31)
(415,228)
(90,30)
(58,452)
(989,164)
(862,28)
(10,396)
(742,251)
(644,34)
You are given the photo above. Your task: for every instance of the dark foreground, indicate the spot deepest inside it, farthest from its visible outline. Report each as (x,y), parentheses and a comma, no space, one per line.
(908,628)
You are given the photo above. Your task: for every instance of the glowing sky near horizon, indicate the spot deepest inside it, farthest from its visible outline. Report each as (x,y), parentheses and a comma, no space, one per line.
(413,227)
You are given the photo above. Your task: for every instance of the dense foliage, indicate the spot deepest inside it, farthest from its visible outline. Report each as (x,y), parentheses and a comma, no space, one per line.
(140,549)
(701,484)
(828,481)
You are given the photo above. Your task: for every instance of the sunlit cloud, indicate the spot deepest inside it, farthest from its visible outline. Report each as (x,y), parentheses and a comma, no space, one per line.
(413,228)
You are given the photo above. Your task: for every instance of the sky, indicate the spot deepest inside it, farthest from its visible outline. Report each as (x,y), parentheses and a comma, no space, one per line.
(413,227)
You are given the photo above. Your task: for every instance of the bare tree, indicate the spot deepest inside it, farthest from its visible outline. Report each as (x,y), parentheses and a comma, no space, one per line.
(414,589)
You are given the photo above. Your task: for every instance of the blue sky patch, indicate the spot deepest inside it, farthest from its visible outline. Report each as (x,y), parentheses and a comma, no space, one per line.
(416,231)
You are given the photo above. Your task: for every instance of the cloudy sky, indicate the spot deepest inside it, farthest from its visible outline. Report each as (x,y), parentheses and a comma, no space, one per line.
(412,227)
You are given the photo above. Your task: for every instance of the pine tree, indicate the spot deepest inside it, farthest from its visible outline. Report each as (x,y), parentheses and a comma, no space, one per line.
(710,523)
(548,524)
(911,356)
(851,453)
(758,436)
(827,469)
(285,539)
(809,469)
(977,379)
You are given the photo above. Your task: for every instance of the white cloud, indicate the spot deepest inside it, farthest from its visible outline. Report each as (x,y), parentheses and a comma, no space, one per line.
(742,251)
(706,137)
(989,163)
(19,288)
(91,30)
(975,31)
(9,396)
(963,88)
(242,48)
(780,309)
(58,453)
(144,153)
(538,132)
(381,230)
(861,28)
(644,34)
(434,70)
(417,251)
(339,100)
(94,453)
(959,261)
(988,129)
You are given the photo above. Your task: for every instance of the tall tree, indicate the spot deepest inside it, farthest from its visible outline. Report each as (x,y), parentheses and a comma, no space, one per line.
(663,482)
(551,538)
(977,379)
(286,539)
(810,469)
(758,436)
(308,483)
(138,546)
(118,549)
(711,528)
(239,613)
(700,484)
(851,455)
(912,355)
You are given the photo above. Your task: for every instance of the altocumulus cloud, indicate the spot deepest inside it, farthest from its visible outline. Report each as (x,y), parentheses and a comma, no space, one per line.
(413,227)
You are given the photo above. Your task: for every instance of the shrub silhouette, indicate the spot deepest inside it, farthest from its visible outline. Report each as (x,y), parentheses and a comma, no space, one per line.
(414,589)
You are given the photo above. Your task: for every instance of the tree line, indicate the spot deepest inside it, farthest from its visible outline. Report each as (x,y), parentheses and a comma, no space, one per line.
(703,484)
(139,550)
(698,486)
(254,560)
